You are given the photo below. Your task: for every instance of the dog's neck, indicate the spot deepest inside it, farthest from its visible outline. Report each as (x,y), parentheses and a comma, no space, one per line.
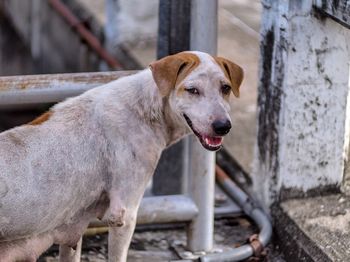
(175,127)
(156,109)
(139,96)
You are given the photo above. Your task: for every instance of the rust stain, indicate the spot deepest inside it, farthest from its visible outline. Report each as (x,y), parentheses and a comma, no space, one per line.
(55,80)
(24,85)
(39,120)
(220,174)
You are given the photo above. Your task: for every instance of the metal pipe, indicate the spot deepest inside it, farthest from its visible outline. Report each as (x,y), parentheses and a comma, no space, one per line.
(204,26)
(202,187)
(35,89)
(85,34)
(166,209)
(202,184)
(162,209)
(258,216)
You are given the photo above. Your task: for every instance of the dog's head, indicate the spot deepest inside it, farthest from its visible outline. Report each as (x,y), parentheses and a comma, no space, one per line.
(198,87)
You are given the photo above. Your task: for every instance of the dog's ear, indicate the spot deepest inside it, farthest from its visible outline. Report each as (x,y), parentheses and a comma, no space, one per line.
(233,72)
(170,70)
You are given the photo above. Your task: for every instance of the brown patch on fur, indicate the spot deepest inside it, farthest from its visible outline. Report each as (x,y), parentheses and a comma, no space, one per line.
(39,120)
(233,72)
(171,70)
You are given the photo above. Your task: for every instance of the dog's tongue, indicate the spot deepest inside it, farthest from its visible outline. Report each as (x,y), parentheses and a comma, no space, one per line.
(213,141)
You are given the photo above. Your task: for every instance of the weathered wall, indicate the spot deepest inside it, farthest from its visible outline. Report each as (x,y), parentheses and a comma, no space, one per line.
(303,102)
(346,182)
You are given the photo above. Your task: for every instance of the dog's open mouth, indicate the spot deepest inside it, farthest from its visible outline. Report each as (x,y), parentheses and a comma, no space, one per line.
(211,143)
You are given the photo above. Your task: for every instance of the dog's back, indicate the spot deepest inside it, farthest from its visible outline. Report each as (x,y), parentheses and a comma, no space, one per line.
(39,160)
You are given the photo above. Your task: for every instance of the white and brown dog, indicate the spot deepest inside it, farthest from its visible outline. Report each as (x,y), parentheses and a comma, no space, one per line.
(93,155)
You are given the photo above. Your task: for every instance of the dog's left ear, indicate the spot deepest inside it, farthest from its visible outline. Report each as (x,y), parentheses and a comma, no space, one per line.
(170,70)
(233,72)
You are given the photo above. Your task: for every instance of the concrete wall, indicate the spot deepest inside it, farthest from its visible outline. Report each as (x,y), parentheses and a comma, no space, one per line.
(346,182)
(303,103)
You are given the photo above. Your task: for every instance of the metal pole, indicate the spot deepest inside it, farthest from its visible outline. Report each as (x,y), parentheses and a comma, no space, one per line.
(202,184)
(204,26)
(258,243)
(35,41)
(170,176)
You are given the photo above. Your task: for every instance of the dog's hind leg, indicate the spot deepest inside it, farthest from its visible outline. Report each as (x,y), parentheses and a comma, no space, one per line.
(69,254)
(119,238)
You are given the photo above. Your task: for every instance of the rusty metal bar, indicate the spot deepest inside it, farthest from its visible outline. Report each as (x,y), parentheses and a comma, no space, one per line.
(35,89)
(85,34)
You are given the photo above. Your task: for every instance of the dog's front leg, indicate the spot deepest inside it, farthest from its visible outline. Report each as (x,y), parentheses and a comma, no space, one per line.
(119,238)
(69,254)
(115,215)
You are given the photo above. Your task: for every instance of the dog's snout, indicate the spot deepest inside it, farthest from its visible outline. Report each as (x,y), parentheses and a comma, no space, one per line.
(221,127)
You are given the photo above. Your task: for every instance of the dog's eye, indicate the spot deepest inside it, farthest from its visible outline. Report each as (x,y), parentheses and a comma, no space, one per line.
(192,90)
(226,89)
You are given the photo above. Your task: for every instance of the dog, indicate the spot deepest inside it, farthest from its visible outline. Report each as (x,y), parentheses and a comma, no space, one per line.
(92,156)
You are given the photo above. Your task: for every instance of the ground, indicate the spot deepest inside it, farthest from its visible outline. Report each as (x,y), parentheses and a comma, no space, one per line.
(166,243)
(315,228)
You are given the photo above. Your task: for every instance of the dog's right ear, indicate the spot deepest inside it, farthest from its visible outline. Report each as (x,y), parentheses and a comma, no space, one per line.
(170,70)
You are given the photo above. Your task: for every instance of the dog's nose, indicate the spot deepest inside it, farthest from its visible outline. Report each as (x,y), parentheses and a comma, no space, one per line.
(221,127)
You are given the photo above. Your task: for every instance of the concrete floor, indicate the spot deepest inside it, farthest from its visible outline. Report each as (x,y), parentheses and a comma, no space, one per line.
(167,244)
(315,229)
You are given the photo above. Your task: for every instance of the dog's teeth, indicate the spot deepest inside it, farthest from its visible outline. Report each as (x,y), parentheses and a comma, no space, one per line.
(212,141)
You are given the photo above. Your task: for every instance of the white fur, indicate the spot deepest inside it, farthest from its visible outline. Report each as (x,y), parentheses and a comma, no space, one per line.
(93,158)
